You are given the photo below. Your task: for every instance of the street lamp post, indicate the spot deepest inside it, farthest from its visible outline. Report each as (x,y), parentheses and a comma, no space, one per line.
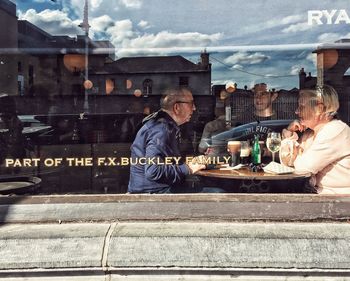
(85,26)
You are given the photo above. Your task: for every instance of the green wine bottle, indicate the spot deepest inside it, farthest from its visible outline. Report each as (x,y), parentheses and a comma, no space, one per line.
(256,152)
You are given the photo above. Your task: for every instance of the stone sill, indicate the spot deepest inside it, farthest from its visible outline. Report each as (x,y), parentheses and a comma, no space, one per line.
(205,207)
(162,246)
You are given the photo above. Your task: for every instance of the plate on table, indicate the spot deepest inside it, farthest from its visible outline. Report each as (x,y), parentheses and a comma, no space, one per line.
(278,169)
(227,167)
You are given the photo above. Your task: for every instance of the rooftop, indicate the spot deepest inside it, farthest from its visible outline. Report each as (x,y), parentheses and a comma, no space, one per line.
(154,64)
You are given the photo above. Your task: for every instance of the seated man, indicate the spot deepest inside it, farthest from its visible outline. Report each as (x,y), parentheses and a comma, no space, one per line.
(162,170)
(262,111)
(262,106)
(212,128)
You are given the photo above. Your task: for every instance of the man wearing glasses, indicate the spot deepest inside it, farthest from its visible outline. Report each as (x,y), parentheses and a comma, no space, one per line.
(162,170)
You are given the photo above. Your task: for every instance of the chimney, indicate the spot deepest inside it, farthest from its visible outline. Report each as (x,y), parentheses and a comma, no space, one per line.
(302,78)
(205,60)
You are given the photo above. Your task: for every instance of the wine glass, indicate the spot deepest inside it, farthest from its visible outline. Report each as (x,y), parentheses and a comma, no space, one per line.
(273,143)
(233,148)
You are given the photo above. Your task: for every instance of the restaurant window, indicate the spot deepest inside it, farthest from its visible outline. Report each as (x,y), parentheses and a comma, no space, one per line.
(49,64)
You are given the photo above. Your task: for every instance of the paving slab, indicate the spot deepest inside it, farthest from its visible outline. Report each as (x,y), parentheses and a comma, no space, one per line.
(51,245)
(241,245)
(114,246)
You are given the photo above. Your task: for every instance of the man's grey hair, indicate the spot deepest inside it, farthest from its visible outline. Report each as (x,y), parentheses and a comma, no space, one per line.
(171,96)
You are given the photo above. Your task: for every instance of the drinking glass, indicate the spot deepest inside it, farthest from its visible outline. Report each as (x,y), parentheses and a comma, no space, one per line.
(233,148)
(273,143)
(245,152)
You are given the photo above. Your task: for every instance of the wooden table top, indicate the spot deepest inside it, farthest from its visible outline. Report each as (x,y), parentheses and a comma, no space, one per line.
(246,173)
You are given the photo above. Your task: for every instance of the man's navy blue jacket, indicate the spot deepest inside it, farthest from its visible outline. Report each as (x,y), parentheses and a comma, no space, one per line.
(157,138)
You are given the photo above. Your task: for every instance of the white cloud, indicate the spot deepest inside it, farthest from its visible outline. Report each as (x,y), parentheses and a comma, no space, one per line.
(313,58)
(129,42)
(100,24)
(246,58)
(295,69)
(73,6)
(120,32)
(143,24)
(218,82)
(54,22)
(99,7)
(131,4)
(291,19)
(237,66)
(331,37)
(95,4)
(275,22)
(165,39)
(301,26)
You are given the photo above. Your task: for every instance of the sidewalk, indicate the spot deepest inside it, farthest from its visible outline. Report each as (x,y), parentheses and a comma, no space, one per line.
(175,237)
(172,249)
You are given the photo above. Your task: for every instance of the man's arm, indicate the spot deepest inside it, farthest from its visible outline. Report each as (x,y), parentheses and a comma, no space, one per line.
(158,147)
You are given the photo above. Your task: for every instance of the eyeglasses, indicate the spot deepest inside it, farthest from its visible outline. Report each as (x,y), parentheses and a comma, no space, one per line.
(188,102)
(310,106)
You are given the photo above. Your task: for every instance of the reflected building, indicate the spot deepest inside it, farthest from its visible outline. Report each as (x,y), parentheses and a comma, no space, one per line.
(54,65)
(333,62)
(147,76)
(34,62)
(40,68)
(8,45)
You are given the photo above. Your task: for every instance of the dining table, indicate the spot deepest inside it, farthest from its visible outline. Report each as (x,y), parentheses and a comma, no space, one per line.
(246,180)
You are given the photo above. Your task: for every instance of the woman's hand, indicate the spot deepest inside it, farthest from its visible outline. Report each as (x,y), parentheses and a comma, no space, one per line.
(296,126)
(293,127)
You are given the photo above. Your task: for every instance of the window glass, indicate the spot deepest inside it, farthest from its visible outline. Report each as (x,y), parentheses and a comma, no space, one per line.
(78,77)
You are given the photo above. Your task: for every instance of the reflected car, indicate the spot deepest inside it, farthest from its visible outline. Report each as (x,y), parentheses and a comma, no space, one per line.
(246,132)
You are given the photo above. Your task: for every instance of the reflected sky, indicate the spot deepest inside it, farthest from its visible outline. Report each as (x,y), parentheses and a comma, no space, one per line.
(243,37)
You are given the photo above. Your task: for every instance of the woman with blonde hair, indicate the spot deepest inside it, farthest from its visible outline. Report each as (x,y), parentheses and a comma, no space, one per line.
(323,149)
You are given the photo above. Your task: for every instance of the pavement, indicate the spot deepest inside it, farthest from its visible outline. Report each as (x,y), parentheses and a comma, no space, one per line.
(106,246)
(240,237)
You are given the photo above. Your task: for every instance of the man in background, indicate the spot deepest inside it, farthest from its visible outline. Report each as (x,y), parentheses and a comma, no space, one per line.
(262,106)
(211,128)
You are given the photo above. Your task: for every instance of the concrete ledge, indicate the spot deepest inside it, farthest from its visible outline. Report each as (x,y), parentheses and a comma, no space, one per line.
(52,246)
(253,245)
(181,237)
(107,247)
(229,207)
